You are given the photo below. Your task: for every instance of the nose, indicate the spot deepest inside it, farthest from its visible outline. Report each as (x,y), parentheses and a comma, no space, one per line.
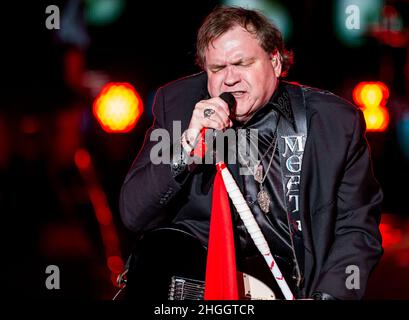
(232,76)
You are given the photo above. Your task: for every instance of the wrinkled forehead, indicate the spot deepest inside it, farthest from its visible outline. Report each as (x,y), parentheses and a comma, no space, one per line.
(236,43)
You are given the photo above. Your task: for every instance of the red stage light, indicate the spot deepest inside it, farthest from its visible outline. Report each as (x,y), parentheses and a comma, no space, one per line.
(118,107)
(115,264)
(82,159)
(390,235)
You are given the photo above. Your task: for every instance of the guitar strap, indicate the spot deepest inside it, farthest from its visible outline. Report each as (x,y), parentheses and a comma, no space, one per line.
(291,145)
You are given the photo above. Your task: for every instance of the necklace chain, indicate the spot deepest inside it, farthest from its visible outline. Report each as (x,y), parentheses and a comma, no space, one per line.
(257,165)
(258,171)
(263,198)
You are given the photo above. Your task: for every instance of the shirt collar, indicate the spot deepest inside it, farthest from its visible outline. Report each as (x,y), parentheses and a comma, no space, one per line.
(279,102)
(282,103)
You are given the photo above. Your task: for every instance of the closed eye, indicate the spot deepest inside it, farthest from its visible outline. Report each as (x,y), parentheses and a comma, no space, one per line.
(239,63)
(216,68)
(243,63)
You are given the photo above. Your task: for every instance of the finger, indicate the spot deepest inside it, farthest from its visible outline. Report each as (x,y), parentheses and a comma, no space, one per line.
(221,105)
(219,112)
(213,123)
(216,117)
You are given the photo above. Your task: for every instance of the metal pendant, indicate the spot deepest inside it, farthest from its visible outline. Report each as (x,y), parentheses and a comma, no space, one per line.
(263,200)
(258,173)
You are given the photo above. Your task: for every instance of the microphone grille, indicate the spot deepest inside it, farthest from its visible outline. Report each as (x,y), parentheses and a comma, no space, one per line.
(229,99)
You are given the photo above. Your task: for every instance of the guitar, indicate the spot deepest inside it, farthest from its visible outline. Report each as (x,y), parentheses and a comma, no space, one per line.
(170,264)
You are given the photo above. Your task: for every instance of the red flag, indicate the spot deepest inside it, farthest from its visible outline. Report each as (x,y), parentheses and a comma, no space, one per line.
(221,275)
(201,147)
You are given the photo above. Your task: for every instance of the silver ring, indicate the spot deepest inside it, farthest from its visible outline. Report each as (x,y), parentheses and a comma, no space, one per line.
(207,113)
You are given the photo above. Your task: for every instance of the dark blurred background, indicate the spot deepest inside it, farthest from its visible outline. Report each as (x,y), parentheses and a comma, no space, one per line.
(61,170)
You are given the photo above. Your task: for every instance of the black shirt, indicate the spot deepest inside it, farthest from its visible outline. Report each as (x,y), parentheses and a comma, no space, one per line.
(273,224)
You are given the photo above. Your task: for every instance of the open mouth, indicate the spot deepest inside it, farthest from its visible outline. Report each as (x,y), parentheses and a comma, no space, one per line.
(238,94)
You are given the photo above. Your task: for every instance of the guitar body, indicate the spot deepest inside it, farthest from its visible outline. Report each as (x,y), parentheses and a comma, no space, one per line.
(160,255)
(169,263)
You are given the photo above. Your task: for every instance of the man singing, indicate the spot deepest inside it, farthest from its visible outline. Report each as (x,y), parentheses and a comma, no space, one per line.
(311,187)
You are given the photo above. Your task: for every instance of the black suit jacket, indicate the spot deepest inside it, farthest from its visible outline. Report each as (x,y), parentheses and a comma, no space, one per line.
(339,197)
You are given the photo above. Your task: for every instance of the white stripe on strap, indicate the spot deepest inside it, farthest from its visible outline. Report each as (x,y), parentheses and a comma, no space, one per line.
(253,229)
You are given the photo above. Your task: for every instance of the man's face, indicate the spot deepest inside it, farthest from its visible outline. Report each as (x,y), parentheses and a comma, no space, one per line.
(236,63)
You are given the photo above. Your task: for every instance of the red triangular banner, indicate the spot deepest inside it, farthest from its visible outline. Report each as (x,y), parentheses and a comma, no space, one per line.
(221,274)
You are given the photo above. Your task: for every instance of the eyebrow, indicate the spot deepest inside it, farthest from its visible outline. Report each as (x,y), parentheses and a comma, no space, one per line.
(237,62)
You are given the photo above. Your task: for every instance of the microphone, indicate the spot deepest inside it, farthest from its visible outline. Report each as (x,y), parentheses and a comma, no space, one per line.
(201,147)
(229,99)
(231,103)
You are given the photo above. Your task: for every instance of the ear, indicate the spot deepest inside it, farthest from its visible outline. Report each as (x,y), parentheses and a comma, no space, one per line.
(276,63)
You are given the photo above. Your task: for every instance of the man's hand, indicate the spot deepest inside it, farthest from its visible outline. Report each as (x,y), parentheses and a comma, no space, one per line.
(216,117)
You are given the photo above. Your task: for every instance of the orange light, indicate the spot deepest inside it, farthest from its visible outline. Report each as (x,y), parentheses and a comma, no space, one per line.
(371,97)
(377,119)
(118,107)
(370,94)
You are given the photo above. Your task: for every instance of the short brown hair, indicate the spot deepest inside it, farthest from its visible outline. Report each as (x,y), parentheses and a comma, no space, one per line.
(223,18)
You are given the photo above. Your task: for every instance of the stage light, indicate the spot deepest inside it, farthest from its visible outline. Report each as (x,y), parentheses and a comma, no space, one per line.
(103,12)
(377,119)
(82,159)
(402,128)
(102,212)
(371,97)
(371,94)
(115,264)
(118,107)
(391,236)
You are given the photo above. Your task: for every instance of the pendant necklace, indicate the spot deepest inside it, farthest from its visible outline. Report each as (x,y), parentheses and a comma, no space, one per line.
(263,198)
